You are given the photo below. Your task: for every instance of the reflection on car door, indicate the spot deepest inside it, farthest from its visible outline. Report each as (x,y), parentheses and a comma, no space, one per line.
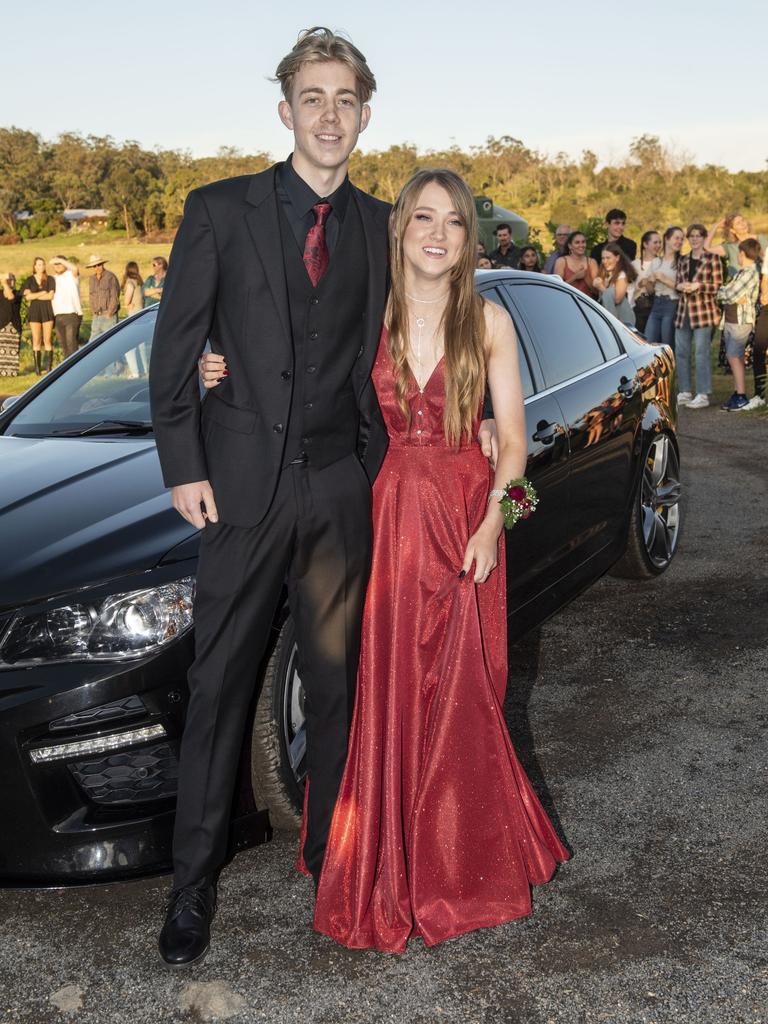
(602,406)
(536,548)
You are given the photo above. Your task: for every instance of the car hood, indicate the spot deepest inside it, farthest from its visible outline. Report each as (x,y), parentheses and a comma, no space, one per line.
(80,511)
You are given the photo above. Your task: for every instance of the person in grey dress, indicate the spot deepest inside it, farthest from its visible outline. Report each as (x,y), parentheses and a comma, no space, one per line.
(613,284)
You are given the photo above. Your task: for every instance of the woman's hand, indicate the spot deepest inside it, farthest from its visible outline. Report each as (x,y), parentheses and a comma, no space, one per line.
(212,369)
(598,284)
(483,550)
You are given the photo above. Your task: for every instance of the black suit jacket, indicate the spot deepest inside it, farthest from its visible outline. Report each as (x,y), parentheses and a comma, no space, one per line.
(226,283)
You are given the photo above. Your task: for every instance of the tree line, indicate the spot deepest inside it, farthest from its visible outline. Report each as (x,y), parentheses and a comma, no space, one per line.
(144,190)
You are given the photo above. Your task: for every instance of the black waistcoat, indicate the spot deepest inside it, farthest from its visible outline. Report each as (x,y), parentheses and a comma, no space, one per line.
(327,326)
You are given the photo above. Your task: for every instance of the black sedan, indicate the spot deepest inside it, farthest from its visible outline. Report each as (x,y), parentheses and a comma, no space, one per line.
(98,578)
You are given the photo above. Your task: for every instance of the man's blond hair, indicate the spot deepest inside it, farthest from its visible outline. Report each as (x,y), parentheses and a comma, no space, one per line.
(320,45)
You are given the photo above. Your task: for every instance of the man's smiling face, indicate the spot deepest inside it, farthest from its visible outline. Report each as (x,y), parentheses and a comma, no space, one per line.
(324,114)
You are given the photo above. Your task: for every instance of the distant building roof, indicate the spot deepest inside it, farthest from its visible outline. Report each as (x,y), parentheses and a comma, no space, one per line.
(69,215)
(75,215)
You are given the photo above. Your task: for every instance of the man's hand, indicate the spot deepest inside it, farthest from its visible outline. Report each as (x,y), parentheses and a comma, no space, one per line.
(195,503)
(489,441)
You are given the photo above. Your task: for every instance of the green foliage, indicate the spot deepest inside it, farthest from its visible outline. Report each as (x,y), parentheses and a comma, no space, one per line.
(46,220)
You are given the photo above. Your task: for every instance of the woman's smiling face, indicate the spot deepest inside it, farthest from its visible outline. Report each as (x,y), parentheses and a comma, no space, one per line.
(435,237)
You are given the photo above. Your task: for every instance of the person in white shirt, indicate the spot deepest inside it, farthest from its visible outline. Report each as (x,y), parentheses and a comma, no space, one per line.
(660,325)
(641,296)
(67,308)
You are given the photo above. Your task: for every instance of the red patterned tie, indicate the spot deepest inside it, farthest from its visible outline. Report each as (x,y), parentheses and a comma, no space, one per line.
(315,250)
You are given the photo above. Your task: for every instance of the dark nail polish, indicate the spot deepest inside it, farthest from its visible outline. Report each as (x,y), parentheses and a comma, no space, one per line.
(225,373)
(462,574)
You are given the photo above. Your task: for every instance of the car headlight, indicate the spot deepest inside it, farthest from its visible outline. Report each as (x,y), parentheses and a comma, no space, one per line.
(120,626)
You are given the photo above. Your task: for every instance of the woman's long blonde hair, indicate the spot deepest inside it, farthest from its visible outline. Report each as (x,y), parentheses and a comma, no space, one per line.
(463,320)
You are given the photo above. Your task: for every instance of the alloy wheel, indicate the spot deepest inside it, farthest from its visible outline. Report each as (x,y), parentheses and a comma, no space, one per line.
(660,501)
(294,720)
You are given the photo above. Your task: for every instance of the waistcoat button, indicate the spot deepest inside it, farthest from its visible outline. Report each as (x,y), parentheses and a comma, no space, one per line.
(311,368)
(313,335)
(286,374)
(314,300)
(278,428)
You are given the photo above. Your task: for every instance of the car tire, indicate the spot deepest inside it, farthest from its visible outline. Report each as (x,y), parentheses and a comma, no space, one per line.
(278,743)
(656,517)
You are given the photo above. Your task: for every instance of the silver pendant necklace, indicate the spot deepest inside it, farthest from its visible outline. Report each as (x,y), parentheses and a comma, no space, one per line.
(428,302)
(420,321)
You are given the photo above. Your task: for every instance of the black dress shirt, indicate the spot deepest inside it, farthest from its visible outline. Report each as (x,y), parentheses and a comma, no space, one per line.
(509,259)
(627,246)
(298,198)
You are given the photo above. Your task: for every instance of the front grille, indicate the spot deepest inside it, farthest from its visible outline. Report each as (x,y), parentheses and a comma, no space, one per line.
(128,707)
(128,778)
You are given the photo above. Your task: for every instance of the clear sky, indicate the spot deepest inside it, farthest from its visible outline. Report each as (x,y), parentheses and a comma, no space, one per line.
(561,75)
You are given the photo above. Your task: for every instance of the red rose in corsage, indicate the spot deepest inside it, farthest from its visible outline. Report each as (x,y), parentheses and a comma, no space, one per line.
(519,501)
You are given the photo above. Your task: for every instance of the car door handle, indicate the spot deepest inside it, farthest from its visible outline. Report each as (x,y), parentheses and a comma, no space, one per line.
(545,432)
(627,387)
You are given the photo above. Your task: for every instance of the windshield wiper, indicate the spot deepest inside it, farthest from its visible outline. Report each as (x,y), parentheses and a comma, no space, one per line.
(108,427)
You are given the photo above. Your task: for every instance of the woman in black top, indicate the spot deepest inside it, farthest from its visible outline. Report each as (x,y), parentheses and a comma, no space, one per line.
(529,259)
(38,290)
(10,303)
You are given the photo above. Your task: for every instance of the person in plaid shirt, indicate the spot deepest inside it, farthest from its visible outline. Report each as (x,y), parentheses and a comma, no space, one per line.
(739,297)
(699,275)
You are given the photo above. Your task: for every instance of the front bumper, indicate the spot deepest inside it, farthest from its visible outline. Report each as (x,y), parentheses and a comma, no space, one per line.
(96,816)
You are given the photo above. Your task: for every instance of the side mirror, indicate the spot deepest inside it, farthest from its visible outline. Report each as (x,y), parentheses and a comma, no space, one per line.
(9,402)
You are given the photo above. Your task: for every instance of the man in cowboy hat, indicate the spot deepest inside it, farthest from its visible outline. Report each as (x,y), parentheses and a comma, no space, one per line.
(104,296)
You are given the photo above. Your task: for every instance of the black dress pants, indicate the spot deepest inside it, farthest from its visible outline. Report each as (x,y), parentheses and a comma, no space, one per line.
(316,540)
(67,331)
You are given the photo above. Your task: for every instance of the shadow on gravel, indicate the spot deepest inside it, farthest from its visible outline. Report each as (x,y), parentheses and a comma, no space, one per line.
(524,665)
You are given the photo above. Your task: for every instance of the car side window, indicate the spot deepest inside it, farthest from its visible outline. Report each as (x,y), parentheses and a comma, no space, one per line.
(525,369)
(603,330)
(564,340)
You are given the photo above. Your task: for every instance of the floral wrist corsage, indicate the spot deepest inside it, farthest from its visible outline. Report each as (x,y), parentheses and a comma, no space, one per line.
(517,500)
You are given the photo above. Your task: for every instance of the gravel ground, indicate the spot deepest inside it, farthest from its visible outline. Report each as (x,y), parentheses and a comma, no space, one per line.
(639,713)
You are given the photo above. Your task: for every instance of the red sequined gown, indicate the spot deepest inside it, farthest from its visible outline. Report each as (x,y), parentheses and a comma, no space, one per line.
(436,830)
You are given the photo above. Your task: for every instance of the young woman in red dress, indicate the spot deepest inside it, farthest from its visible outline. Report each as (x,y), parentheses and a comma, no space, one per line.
(436,829)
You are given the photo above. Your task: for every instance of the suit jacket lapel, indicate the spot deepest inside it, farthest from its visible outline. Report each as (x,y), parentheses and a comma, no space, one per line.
(375,231)
(261,216)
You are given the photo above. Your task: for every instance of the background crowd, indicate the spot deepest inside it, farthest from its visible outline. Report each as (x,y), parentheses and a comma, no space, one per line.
(674,293)
(683,287)
(54,305)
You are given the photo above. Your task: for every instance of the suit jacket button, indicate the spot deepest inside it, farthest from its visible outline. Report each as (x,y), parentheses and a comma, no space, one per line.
(286,374)
(313,335)
(278,428)
(314,300)
(307,406)
(311,368)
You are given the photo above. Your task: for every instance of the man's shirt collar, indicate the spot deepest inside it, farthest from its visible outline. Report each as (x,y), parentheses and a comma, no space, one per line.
(303,197)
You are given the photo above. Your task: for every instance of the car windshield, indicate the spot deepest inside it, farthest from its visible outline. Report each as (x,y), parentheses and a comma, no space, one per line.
(105,391)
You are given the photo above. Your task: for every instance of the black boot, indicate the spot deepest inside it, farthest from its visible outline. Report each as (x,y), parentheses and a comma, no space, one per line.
(48,360)
(38,363)
(186,934)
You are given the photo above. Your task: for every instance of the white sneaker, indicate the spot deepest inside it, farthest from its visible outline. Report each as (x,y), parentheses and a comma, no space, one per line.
(701,401)
(754,403)
(684,398)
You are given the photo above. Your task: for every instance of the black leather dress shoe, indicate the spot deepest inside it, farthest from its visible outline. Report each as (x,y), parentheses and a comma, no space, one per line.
(186,934)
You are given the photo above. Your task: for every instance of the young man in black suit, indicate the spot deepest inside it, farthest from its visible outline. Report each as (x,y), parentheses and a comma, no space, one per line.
(285,273)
